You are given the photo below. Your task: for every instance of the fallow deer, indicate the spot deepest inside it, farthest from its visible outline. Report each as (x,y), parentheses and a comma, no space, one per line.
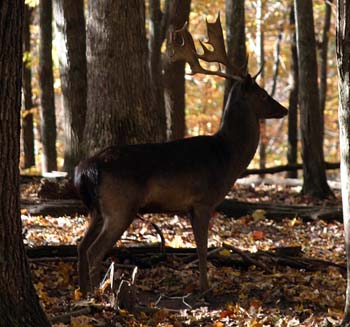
(191,175)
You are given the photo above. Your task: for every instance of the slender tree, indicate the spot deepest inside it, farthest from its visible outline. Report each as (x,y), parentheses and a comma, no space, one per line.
(27,122)
(174,75)
(47,96)
(315,182)
(292,154)
(70,24)
(235,40)
(324,62)
(120,105)
(19,305)
(261,78)
(157,27)
(276,63)
(343,59)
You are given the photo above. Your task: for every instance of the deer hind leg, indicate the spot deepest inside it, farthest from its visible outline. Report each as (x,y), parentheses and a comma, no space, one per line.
(114,225)
(90,235)
(200,224)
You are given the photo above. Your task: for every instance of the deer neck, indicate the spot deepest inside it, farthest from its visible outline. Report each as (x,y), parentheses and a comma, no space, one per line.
(240,131)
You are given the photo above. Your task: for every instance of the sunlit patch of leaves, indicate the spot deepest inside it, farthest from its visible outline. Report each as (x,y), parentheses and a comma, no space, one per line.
(40,230)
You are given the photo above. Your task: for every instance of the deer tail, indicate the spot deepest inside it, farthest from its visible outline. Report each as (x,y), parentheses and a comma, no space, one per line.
(86,181)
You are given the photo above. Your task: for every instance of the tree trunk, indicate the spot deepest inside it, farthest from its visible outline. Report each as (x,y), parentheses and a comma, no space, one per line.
(70,24)
(27,123)
(323,62)
(261,78)
(47,96)
(19,305)
(315,182)
(276,64)
(157,26)
(292,154)
(235,41)
(343,59)
(120,105)
(174,76)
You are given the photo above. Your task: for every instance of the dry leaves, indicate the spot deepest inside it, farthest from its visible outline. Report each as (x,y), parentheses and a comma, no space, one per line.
(284,297)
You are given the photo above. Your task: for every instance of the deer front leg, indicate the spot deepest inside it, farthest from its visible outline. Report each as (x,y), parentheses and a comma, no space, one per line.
(200,224)
(90,235)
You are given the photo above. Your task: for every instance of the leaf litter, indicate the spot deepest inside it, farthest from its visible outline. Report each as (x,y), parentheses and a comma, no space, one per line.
(284,296)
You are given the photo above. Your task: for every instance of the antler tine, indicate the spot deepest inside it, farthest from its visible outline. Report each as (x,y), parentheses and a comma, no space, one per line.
(216,40)
(259,72)
(182,47)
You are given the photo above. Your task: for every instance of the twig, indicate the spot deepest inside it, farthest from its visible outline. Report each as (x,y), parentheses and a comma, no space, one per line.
(66,317)
(196,260)
(161,296)
(204,293)
(246,257)
(160,233)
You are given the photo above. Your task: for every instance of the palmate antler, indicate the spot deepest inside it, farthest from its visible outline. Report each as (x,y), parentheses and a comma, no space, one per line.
(182,48)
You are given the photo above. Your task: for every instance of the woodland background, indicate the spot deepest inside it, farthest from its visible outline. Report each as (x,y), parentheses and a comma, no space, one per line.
(277,254)
(204,94)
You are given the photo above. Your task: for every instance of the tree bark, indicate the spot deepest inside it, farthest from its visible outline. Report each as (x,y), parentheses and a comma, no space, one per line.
(235,41)
(324,63)
(343,59)
(120,105)
(315,182)
(261,78)
(19,305)
(174,76)
(276,64)
(157,26)
(47,96)
(292,153)
(27,122)
(70,24)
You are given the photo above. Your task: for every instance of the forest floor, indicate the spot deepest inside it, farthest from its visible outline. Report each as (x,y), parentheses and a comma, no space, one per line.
(165,292)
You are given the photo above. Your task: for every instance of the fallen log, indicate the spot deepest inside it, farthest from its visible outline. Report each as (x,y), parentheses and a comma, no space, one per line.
(57,251)
(68,251)
(284,256)
(235,209)
(230,208)
(283,168)
(146,256)
(270,170)
(55,208)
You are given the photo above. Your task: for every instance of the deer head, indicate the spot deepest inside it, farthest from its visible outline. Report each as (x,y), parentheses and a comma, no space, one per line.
(263,104)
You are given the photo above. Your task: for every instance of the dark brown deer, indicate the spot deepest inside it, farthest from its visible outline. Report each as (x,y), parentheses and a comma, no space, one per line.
(191,175)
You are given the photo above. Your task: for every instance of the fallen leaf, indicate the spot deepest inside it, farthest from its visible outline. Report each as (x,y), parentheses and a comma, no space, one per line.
(258,235)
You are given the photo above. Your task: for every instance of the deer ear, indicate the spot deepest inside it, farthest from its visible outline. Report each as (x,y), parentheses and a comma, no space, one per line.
(247,83)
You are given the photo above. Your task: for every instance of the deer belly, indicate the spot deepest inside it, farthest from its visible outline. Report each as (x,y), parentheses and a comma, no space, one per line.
(165,200)
(178,195)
